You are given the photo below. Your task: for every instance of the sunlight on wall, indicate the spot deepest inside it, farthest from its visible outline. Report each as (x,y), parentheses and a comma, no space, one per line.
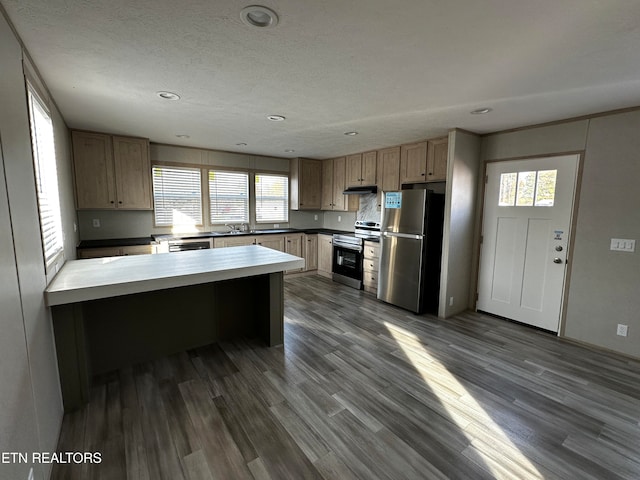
(489,446)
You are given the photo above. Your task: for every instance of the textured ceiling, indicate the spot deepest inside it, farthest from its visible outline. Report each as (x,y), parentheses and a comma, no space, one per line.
(394,71)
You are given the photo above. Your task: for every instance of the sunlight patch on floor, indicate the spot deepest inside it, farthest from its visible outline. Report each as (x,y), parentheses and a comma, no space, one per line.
(490,447)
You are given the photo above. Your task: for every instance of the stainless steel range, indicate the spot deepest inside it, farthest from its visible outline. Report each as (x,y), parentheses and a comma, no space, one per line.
(348,251)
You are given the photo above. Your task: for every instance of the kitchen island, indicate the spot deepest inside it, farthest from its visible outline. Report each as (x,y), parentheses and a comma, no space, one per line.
(113,312)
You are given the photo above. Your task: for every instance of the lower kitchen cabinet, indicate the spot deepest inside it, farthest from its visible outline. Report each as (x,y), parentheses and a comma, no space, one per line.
(237,241)
(115,251)
(370,266)
(310,252)
(293,246)
(276,242)
(325,255)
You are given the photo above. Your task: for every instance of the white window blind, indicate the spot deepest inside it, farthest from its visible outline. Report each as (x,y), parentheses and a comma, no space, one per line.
(272,198)
(177,196)
(228,196)
(44,156)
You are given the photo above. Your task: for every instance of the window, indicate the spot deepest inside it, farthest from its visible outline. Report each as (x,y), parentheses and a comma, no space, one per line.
(44,159)
(536,188)
(177,196)
(228,196)
(272,198)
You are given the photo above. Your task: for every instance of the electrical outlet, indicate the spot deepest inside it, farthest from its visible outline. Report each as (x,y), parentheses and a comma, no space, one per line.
(339,218)
(450,301)
(622,330)
(315,217)
(276,225)
(96,223)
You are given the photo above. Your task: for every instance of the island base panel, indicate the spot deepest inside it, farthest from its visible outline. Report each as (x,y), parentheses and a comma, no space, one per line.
(99,336)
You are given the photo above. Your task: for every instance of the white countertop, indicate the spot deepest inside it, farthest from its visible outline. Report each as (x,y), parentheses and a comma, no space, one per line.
(91,279)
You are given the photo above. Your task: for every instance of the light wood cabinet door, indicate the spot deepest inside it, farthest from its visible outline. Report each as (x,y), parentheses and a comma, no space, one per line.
(93,170)
(136,250)
(236,241)
(276,242)
(111,172)
(293,246)
(388,171)
(370,266)
(339,181)
(306,184)
(369,168)
(311,252)
(354,170)
(325,255)
(132,168)
(437,155)
(413,163)
(327,185)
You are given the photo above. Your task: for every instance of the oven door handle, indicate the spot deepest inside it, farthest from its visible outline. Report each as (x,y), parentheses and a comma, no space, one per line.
(347,246)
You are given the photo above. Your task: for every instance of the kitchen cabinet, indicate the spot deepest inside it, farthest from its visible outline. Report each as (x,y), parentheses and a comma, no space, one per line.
(388,173)
(413,163)
(275,242)
(237,241)
(325,255)
(370,266)
(333,184)
(361,169)
(437,154)
(115,251)
(111,172)
(293,245)
(305,177)
(310,252)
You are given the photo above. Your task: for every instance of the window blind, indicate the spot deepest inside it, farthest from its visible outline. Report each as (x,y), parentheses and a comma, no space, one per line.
(272,198)
(228,196)
(177,196)
(44,159)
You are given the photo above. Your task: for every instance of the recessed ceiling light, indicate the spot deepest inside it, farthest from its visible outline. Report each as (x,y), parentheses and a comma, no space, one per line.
(481,111)
(168,95)
(289,150)
(259,16)
(183,136)
(351,134)
(275,118)
(241,144)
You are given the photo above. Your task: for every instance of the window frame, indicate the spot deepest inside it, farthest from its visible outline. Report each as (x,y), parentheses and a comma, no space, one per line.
(50,259)
(211,168)
(286,197)
(175,165)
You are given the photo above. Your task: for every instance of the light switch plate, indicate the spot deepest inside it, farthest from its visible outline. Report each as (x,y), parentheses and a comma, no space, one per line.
(623,245)
(622,330)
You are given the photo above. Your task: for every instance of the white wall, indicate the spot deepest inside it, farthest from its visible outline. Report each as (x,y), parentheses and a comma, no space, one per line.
(604,285)
(31,408)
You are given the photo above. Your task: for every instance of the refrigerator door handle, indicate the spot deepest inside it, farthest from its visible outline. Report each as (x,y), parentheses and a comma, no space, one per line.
(402,235)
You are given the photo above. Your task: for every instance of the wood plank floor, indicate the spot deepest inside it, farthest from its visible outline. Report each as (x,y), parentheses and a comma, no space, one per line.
(364,390)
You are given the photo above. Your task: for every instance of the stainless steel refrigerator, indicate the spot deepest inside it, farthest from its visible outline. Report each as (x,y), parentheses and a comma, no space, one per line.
(411,249)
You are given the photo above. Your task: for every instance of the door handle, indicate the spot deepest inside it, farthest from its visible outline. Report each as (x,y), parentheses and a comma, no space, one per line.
(557,260)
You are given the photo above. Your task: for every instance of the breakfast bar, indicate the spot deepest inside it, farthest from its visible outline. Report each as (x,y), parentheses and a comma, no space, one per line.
(113,312)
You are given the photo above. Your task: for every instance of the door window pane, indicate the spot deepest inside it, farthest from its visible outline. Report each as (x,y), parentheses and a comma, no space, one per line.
(508,189)
(526,188)
(546,188)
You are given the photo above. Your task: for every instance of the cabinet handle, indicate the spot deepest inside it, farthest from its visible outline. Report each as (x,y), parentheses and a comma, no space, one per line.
(120,202)
(422,174)
(112,202)
(430,173)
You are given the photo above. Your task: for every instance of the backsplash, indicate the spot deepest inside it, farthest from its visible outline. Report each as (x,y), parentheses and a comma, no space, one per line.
(368,210)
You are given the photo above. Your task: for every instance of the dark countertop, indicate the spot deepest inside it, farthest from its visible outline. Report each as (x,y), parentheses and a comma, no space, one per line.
(122,242)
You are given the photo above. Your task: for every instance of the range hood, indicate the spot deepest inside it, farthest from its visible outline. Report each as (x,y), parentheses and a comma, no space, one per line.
(360,190)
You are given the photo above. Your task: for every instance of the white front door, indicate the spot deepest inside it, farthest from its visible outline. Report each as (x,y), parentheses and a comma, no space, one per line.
(526,222)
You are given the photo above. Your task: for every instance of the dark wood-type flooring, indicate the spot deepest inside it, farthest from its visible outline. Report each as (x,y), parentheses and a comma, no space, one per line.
(364,390)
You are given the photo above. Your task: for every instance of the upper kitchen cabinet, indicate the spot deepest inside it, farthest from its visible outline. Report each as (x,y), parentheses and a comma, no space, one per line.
(424,161)
(333,185)
(111,172)
(306,184)
(361,169)
(388,175)
(413,163)
(437,154)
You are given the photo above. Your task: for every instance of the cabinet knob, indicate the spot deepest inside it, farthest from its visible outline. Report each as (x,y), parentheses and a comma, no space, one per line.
(422,174)
(430,173)
(120,202)
(112,202)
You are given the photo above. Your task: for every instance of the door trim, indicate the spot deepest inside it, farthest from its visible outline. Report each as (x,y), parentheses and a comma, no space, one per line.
(571,240)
